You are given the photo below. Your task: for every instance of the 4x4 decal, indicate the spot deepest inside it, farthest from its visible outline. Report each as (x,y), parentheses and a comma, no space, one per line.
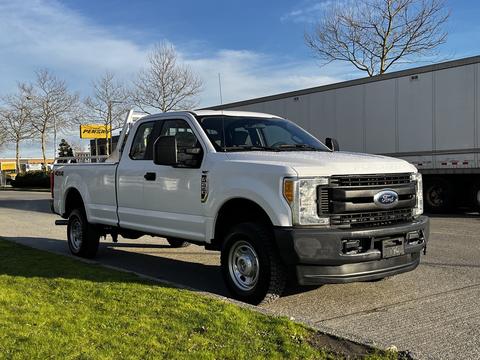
(204,187)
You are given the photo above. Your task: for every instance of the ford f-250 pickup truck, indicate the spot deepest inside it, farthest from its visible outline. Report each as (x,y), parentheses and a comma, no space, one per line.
(271,197)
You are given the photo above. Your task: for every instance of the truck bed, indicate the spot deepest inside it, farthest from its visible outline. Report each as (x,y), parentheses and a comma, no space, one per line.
(96,182)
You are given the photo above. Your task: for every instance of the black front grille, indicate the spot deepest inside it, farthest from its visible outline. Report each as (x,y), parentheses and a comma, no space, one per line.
(370,180)
(375,218)
(323,197)
(349,200)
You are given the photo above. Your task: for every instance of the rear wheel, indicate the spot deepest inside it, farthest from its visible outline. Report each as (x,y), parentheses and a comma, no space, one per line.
(438,195)
(177,243)
(251,267)
(83,237)
(476,197)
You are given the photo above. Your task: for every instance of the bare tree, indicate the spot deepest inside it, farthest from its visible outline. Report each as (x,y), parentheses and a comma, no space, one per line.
(108,103)
(2,137)
(165,84)
(16,119)
(373,35)
(54,107)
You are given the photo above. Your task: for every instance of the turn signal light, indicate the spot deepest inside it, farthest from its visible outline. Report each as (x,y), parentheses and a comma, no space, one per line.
(288,190)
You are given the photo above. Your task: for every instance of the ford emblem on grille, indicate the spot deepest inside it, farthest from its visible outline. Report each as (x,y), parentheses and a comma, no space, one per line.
(386,199)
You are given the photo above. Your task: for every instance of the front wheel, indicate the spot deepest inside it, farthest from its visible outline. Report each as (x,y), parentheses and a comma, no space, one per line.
(251,267)
(83,237)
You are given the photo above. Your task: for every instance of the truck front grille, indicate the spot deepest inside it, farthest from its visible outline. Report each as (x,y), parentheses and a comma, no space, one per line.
(370,219)
(370,180)
(348,200)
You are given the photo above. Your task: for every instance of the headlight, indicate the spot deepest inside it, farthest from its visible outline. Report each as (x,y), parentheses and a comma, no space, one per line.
(302,196)
(418,210)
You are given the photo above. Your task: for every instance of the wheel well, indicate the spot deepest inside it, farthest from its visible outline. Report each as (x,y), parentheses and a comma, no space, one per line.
(73,200)
(236,211)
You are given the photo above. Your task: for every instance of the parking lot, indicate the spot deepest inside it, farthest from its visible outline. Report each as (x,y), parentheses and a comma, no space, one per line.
(433,311)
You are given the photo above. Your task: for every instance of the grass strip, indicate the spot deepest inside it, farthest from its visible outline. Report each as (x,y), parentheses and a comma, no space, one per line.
(53,306)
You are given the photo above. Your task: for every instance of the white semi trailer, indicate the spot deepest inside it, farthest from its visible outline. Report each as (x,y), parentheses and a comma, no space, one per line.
(429,116)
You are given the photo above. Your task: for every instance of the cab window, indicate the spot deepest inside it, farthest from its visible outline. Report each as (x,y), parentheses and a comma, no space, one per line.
(190,152)
(182,132)
(142,146)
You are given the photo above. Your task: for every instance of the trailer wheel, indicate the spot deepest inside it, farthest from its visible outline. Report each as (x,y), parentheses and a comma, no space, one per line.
(476,197)
(438,195)
(177,243)
(83,237)
(250,265)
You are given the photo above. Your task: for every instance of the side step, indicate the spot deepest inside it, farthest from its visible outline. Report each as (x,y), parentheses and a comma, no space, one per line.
(61,222)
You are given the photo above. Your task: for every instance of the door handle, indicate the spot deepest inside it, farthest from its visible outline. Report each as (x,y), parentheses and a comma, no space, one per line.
(150,176)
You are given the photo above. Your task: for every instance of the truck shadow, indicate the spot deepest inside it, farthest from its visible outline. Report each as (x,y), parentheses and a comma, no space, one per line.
(174,272)
(35,205)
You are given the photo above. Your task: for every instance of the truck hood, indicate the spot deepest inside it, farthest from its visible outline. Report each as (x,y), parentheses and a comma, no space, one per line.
(322,163)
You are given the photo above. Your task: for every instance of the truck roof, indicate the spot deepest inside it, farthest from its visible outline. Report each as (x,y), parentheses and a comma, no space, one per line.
(233,113)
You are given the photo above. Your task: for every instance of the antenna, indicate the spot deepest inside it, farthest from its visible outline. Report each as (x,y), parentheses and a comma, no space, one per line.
(220,88)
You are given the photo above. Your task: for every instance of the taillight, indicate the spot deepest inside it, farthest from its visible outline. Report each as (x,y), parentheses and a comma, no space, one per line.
(52,180)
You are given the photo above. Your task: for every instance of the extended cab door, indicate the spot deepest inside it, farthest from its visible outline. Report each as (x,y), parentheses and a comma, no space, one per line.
(172,201)
(133,172)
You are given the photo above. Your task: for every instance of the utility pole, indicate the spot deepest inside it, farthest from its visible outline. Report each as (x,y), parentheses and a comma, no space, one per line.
(220,88)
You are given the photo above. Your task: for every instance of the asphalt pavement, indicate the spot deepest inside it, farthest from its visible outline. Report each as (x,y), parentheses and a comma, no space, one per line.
(433,311)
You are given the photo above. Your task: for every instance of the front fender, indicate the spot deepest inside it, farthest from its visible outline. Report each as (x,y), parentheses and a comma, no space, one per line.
(265,193)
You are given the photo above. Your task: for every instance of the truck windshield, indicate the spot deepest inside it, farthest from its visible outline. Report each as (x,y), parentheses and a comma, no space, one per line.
(232,133)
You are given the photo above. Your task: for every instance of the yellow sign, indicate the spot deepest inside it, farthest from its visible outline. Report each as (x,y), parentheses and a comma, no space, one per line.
(8,165)
(94,131)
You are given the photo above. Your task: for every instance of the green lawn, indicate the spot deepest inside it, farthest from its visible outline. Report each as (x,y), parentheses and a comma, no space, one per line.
(53,306)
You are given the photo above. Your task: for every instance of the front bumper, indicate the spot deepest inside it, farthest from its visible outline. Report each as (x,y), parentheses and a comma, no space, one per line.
(318,253)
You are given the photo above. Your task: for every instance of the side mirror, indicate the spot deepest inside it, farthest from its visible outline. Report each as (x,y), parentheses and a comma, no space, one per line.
(165,151)
(332,144)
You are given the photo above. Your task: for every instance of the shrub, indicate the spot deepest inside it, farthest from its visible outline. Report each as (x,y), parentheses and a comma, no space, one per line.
(32,179)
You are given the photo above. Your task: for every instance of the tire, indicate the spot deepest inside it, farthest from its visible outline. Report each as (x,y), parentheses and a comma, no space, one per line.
(177,243)
(83,237)
(476,197)
(438,195)
(250,264)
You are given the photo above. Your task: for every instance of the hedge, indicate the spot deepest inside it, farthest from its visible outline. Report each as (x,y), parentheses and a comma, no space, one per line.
(32,179)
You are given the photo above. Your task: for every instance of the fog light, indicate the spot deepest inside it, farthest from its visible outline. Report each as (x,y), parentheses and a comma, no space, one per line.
(351,246)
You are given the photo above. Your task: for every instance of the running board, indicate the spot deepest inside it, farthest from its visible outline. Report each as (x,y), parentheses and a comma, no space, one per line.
(61,222)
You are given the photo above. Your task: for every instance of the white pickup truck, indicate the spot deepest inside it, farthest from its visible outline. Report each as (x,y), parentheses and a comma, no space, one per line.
(271,197)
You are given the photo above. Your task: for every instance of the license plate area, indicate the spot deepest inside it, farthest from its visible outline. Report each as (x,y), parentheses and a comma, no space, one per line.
(393,247)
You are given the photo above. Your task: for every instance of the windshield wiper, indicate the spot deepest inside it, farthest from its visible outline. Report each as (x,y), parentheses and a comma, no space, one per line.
(249,148)
(297,146)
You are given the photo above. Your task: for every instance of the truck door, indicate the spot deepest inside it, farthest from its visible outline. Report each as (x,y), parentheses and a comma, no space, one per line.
(132,173)
(172,199)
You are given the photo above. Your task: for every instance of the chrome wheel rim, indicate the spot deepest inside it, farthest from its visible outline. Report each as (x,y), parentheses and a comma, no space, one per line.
(243,265)
(76,235)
